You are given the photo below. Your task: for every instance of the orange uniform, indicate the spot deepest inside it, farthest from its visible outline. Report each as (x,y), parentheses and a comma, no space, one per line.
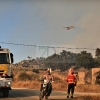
(71,79)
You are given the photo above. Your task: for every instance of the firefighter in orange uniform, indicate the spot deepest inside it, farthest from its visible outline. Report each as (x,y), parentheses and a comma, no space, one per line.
(71,80)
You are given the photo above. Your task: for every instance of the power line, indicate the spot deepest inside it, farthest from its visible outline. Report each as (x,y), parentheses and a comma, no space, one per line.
(46,46)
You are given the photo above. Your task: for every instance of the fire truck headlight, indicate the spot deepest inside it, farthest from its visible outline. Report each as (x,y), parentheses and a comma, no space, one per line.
(9,83)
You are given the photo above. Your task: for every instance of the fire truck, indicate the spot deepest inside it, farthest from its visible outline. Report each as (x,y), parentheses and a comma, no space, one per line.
(6,77)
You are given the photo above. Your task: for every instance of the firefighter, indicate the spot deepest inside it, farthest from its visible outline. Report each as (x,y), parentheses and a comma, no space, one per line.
(71,80)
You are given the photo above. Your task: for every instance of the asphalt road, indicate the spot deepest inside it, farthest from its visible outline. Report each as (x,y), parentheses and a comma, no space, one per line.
(29,94)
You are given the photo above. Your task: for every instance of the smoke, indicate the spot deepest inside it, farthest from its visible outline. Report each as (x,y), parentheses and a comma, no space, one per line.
(90,26)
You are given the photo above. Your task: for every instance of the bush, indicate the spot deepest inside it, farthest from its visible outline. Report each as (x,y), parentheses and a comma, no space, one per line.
(28,76)
(24,76)
(57,79)
(35,70)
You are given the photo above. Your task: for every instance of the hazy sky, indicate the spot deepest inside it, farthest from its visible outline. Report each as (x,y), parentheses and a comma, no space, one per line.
(41,22)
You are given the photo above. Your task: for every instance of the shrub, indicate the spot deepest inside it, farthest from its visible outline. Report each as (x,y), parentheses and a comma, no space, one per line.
(24,76)
(35,70)
(57,79)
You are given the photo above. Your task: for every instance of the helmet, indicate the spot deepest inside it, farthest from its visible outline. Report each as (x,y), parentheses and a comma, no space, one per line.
(72,72)
(48,72)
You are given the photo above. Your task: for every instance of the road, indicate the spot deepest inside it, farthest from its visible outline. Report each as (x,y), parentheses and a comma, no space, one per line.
(30,94)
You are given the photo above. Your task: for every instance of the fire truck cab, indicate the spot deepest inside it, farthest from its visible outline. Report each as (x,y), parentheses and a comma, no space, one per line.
(6,60)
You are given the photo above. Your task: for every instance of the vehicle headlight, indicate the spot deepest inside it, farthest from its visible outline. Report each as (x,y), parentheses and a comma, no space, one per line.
(7,83)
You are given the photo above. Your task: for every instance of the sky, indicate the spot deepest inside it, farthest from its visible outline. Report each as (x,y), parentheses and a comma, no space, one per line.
(41,22)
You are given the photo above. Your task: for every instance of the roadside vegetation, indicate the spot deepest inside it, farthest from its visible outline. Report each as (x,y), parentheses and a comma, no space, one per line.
(88,98)
(27,72)
(30,79)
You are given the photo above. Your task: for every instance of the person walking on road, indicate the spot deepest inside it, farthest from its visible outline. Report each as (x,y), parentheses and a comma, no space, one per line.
(71,80)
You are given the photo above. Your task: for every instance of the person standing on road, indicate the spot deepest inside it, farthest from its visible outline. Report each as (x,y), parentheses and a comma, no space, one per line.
(71,80)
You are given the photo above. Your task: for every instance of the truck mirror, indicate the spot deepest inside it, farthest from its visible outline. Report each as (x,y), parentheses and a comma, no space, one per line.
(12,59)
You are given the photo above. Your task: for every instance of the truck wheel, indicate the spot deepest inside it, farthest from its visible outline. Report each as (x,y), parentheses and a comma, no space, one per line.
(5,92)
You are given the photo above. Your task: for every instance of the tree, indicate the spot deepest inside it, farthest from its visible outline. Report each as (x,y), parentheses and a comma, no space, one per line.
(97,53)
(62,61)
(84,59)
(97,59)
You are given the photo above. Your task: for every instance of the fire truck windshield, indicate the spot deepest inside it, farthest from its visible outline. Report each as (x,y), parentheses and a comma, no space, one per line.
(4,58)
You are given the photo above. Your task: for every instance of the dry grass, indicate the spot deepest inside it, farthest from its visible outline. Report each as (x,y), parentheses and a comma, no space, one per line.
(26,84)
(88,98)
(59,84)
(88,88)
